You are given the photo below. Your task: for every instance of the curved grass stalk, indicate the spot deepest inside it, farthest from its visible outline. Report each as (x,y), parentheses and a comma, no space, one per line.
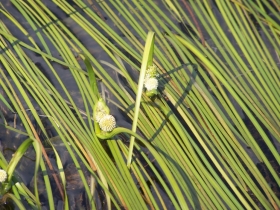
(23,190)
(14,199)
(10,168)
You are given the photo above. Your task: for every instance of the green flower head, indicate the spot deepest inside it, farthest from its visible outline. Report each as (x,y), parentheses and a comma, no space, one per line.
(100,110)
(151,72)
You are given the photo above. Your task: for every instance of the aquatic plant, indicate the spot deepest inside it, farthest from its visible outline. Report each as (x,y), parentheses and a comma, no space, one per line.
(193,87)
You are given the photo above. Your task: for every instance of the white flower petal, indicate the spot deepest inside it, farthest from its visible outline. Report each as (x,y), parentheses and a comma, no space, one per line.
(3,175)
(151,84)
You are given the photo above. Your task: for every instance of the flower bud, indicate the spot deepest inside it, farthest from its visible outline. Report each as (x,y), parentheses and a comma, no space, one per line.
(3,175)
(99,115)
(151,71)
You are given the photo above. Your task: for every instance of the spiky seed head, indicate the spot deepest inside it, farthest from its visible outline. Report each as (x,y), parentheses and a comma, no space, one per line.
(3,175)
(107,123)
(100,110)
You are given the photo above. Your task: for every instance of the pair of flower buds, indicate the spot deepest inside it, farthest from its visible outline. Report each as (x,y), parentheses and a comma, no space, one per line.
(102,115)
